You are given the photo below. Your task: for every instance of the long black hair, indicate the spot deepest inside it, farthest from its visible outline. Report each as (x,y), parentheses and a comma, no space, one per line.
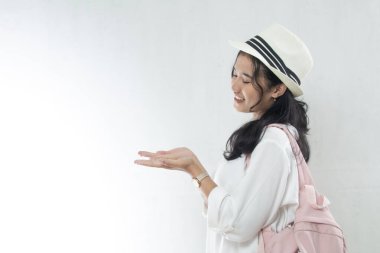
(285,110)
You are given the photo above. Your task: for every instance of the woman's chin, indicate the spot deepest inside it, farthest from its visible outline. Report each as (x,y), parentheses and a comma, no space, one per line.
(239,109)
(238,106)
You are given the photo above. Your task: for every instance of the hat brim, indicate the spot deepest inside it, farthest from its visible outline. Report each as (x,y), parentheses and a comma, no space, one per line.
(292,86)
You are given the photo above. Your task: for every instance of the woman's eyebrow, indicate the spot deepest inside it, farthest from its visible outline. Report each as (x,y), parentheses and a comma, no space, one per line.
(244,74)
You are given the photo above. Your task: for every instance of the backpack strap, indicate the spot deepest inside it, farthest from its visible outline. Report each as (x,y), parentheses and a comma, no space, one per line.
(304,175)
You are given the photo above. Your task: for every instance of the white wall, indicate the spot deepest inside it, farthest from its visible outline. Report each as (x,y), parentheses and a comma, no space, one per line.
(84,85)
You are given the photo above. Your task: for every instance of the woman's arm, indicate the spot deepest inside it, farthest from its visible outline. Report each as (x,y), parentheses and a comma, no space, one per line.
(179,159)
(207,184)
(239,215)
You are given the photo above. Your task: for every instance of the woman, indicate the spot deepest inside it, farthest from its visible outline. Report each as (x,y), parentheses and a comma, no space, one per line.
(257,185)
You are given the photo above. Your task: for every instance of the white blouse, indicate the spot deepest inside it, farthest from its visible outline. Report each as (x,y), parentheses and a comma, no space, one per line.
(248,199)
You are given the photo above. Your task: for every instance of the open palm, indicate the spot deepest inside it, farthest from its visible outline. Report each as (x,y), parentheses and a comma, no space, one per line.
(178,159)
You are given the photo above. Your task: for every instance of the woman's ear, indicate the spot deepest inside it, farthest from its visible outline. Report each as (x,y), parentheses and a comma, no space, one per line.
(278,90)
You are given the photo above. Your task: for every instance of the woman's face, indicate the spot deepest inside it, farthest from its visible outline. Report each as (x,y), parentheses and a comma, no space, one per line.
(247,93)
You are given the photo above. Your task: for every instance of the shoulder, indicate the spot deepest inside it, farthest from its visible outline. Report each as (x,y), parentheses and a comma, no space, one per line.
(273,153)
(274,136)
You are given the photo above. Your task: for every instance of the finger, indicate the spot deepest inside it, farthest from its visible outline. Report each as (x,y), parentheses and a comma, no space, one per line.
(169,151)
(167,156)
(153,163)
(158,155)
(162,152)
(147,154)
(150,163)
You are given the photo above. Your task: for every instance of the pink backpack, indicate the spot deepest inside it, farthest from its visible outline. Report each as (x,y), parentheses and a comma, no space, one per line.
(314,229)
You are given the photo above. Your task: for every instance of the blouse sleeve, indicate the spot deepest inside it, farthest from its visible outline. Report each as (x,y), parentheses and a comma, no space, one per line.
(240,215)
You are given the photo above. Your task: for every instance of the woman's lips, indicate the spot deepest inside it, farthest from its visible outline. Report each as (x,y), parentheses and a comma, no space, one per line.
(239,100)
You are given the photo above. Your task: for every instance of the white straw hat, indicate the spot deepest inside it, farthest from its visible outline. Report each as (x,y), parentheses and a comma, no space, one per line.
(283,53)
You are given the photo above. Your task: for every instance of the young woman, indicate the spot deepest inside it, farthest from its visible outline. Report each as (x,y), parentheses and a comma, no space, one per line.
(257,185)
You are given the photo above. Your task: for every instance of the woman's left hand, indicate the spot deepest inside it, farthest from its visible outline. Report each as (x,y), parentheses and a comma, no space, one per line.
(177,159)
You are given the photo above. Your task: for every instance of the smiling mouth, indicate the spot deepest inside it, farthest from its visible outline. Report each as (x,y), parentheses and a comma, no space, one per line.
(239,99)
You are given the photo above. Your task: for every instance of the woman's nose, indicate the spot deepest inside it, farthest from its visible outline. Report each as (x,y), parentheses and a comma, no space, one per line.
(235,84)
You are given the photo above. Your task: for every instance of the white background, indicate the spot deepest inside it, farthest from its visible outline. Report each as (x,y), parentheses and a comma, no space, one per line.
(85,85)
